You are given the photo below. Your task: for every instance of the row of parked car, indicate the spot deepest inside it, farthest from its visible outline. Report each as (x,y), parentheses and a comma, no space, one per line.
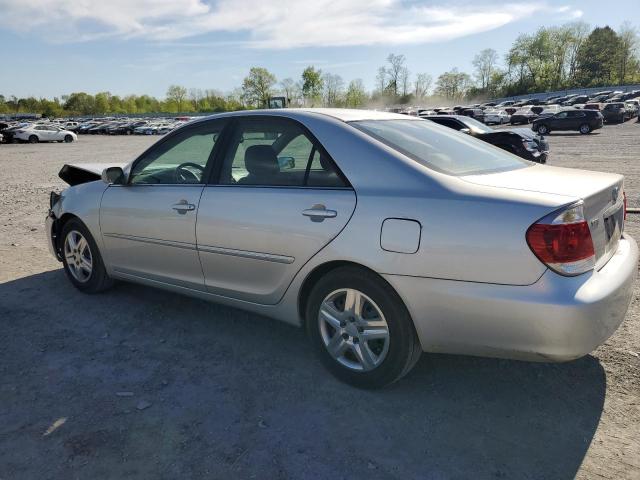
(128,126)
(615,107)
(67,130)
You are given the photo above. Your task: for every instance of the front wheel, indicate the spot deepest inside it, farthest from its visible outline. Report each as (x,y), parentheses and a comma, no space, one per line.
(585,128)
(33,139)
(81,258)
(68,139)
(361,329)
(542,129)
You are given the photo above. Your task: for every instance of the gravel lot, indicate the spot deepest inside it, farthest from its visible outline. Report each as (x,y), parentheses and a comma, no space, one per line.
(139,383)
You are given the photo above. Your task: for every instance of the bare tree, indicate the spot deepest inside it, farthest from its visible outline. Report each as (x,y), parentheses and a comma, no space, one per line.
(485,63)
(422,85)
(405,84)
(333,89)
(394,72)
(288,87)
(381,80)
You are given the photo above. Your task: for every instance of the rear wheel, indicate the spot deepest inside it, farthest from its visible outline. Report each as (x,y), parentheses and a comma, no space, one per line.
(68,139)
(33,139)
(585,128)
(81,258)
(542,129)
(361,329)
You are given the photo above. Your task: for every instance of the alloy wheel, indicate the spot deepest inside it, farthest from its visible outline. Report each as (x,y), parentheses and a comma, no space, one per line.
(78,256)
(353,329)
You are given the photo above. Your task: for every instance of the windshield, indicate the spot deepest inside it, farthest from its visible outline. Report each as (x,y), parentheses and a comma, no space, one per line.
(475,125)
(440,148)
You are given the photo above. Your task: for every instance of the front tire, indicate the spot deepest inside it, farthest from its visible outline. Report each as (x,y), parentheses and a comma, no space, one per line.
(68,139)
(33,139)
(585,129)
(361,329)
(81,259)
(542,129)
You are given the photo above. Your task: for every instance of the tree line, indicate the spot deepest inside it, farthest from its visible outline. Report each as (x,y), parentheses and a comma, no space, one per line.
(553,58)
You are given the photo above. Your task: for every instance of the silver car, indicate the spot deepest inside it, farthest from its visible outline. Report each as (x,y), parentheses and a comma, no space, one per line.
(382,235)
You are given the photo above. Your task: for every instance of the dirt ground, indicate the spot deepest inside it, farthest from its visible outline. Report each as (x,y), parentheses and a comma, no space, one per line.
(139,383)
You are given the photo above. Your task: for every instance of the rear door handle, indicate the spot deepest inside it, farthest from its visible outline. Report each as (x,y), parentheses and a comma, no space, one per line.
(183,207)
(319,212)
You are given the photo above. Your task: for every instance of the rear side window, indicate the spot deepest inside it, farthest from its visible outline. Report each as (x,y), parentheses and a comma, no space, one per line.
(441,149)
(276,152)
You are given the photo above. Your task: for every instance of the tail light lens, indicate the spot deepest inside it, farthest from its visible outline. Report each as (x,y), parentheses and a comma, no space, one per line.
(562,241)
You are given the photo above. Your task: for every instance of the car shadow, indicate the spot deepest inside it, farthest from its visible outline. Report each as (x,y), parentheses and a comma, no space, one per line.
(237,395)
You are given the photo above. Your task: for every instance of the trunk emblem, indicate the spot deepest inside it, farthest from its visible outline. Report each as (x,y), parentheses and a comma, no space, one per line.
(594,222)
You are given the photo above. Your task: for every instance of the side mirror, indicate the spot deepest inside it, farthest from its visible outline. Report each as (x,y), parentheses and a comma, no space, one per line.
(465,130)
(113,176)
(286,163)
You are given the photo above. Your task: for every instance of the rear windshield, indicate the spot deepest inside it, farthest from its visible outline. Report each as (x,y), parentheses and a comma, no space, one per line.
(440,148)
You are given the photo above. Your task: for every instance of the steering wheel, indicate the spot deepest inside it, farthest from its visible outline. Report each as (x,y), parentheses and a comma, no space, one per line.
(183,175)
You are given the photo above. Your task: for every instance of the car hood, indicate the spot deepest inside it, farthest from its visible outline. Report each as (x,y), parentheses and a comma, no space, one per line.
(523,132)
(77,173)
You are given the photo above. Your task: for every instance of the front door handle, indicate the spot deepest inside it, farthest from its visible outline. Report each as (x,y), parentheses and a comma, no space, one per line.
(183,207)
(319,212)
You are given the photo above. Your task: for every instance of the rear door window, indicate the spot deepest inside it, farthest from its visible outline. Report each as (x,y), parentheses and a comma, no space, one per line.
(272,151)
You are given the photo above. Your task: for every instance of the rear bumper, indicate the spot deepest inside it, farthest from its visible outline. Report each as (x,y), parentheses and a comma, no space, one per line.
(555,319)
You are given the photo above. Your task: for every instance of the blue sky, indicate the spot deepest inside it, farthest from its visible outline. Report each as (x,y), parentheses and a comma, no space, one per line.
(54,47)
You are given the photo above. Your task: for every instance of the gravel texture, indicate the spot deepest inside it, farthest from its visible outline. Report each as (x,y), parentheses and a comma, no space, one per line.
(140,383)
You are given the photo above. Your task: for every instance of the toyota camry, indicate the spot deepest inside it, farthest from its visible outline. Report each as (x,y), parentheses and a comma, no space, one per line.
(383,235)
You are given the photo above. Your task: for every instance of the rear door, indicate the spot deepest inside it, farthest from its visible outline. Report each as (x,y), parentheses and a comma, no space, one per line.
(149,225)
(276,199)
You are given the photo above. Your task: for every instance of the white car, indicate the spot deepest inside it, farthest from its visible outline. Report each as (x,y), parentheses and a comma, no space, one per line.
(45,133)
(496,116)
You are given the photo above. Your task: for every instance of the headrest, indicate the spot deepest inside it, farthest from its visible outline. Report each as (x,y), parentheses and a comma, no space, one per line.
(261,160)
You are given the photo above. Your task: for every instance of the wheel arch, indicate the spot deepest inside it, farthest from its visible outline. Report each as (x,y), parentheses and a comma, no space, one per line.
(324,269)
(57,227)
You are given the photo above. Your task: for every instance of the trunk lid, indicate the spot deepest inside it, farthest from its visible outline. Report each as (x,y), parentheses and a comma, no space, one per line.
(601,193)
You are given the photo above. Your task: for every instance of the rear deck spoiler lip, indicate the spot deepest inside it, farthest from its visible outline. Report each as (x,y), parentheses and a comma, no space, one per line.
(78,173)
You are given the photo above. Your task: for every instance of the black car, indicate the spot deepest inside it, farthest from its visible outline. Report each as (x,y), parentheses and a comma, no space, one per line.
(614,112)
(577,99)
(476,113)
(583,121)
(520,141)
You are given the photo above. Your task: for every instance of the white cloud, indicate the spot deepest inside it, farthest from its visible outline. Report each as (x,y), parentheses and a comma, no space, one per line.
(268,23)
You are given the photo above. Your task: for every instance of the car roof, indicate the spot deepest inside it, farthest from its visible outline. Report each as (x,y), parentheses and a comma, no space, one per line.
(343,114)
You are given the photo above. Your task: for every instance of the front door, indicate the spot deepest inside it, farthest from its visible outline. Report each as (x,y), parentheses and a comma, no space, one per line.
(148,225)
(278,201)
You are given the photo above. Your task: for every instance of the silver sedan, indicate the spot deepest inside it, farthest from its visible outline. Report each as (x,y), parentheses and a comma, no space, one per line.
(382,235)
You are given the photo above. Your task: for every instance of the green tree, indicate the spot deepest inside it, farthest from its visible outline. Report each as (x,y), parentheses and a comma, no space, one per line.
(257,87)
(598,58)
(177,96)
(453,85)
(356,96)
(312,85)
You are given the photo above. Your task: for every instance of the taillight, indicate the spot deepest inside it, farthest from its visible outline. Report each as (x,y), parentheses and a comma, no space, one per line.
(562,241)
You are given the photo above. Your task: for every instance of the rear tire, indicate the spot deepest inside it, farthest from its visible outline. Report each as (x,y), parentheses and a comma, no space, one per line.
(359,359)
(585,129)
(33,139)
(81,259)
